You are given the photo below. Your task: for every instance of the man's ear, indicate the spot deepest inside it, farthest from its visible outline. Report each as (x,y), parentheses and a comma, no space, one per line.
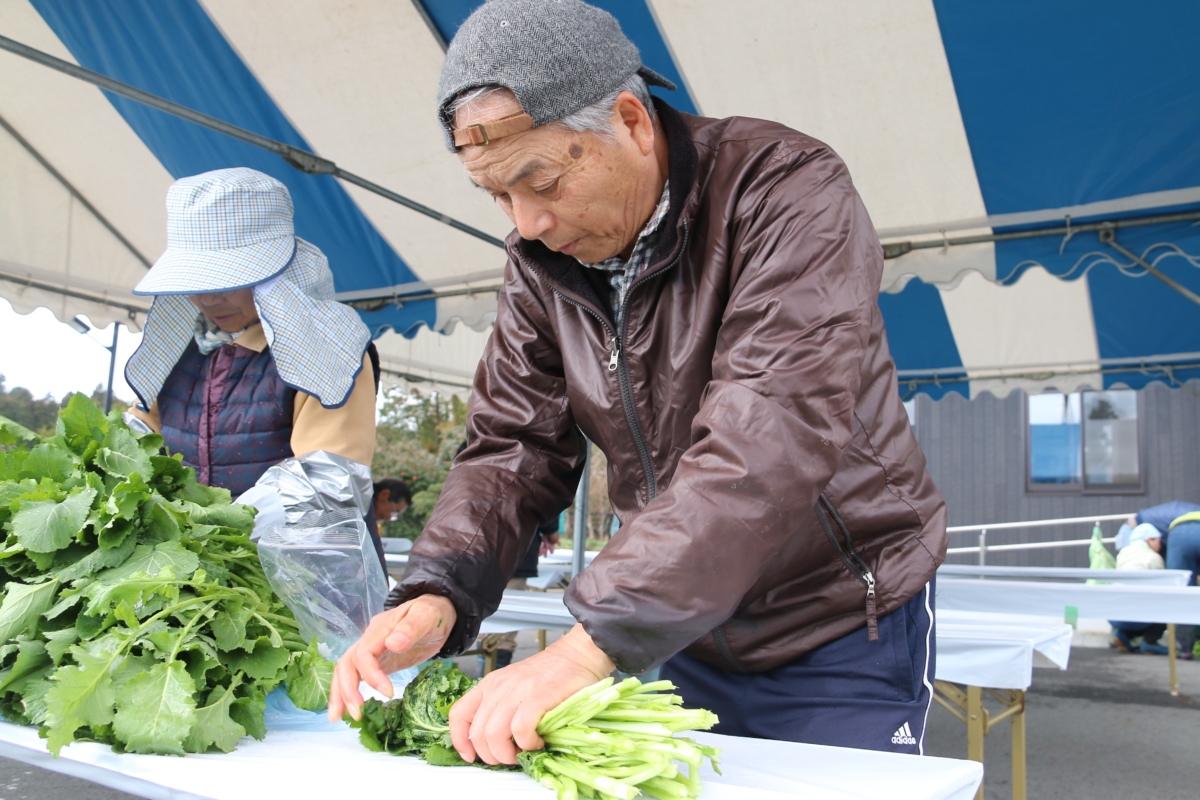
(384,495)
(631,115)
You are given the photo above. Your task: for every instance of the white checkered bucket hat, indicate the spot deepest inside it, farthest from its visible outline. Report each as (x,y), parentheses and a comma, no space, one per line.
(226,229)
(222,236)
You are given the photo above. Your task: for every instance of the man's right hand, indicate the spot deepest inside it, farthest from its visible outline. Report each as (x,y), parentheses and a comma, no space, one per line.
(406,635)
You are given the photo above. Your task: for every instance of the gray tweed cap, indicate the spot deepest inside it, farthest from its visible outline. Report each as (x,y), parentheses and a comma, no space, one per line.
(557,56)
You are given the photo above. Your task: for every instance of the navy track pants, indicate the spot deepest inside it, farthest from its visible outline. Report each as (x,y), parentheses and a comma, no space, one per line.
(847,693)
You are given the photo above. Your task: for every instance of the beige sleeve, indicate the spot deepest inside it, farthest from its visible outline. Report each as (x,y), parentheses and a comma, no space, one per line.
(149,417)
(347,431)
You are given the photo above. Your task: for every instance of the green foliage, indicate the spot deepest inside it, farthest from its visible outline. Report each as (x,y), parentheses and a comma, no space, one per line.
(421,718)
(135,611)
(605,740)
(416,437)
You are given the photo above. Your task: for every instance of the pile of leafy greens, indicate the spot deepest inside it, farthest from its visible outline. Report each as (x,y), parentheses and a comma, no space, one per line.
(609,740)
(135,611)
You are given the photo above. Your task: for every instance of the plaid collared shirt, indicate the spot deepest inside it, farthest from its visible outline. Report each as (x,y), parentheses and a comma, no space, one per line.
(623,272)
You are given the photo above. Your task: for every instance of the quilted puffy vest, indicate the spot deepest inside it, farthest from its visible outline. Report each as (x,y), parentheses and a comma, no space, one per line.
(229,413)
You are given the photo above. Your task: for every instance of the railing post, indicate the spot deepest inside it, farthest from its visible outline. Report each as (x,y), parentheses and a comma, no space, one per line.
(983,548)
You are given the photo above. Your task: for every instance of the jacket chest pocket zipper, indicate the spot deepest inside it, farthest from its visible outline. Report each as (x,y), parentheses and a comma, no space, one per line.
(853,562)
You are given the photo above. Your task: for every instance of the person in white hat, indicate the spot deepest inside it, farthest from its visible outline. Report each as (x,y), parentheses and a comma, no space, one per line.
(248,366)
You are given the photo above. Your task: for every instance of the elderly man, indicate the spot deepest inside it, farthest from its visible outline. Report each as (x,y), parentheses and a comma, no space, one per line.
(698,297)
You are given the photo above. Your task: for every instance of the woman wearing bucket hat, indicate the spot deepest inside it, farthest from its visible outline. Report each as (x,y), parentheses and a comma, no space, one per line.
(248,366)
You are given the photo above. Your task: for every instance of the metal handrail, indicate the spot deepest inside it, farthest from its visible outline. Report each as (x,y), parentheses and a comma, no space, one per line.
(1037,523)
(983,546)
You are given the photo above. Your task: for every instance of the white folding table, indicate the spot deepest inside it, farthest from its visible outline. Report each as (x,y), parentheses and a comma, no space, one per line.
(983,652)
(1125,596)
(327,764)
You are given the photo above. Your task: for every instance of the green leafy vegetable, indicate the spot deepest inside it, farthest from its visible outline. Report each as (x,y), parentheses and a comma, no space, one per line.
(606,740)
(135,611)
(46,526)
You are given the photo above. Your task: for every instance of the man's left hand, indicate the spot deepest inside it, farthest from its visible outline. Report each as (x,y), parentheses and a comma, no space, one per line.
(549,542)
(499,717)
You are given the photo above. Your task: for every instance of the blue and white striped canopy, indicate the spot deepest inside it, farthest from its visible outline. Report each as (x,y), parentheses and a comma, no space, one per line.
(957,119)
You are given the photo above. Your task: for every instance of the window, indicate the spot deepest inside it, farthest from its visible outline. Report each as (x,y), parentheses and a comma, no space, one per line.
(1084,442)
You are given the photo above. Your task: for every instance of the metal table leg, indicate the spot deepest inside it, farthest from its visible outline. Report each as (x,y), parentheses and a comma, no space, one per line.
(1018,751)
(1172,654)
(968,707)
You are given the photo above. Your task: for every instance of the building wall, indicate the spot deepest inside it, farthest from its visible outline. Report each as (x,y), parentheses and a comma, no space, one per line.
(976,454)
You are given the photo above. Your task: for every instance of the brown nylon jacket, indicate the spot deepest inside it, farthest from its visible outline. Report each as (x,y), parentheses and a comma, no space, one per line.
(759,455)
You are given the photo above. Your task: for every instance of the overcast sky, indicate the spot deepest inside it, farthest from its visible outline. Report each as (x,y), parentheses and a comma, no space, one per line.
(48,357)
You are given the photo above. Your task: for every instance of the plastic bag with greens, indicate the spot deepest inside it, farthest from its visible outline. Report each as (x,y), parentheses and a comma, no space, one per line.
(328,574)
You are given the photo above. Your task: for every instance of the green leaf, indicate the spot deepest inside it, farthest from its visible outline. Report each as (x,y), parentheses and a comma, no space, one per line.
(33,689)
(156,710)
(89,626)
(140,591)
(58,642)
(201,660)
(84,694)
(264,663)
(309,676)
(192,491)
(442,756)
(44,526)
(151,443)
(10,492)
(127,497)
(214,727)
(97,560)
(12,432)
(236,516)
(64,603)
(115,533)
(152,560)
(121,454)
(43,561)
(31,656)
(169,470)
(81,423)
(159,521)
(229,628)
(48,461)
(22,606)
(132,666)
(249,709)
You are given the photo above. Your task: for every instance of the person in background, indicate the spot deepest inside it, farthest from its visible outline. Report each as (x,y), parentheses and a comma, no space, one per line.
(248,367)
(1141,551)
(392,498)
(1178,523)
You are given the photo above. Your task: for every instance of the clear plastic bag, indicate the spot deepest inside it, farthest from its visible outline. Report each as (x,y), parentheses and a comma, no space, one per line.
(328,574)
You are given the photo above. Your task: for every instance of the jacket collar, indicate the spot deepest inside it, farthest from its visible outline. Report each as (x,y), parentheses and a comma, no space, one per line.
(576,280)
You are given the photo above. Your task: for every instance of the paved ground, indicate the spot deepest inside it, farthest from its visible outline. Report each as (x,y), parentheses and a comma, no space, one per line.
(1106,729)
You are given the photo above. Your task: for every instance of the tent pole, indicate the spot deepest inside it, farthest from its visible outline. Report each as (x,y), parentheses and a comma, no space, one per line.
(112,367)
(1109,237)
(579,537)
(297,157)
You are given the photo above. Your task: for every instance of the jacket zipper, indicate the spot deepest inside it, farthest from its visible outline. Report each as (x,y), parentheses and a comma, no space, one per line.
(622,366)
(851,559)
(718,634)
(619,365)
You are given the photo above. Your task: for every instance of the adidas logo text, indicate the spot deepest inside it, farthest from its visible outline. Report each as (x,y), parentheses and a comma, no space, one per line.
(903,735)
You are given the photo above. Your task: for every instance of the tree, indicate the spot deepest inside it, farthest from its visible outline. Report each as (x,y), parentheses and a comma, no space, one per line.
(416,437)
(19,405)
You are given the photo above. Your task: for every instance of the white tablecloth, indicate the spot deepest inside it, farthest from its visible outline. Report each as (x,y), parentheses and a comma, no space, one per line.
(333,765)
(998,651)
(994,650)
(1142,577)
(1133,603)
